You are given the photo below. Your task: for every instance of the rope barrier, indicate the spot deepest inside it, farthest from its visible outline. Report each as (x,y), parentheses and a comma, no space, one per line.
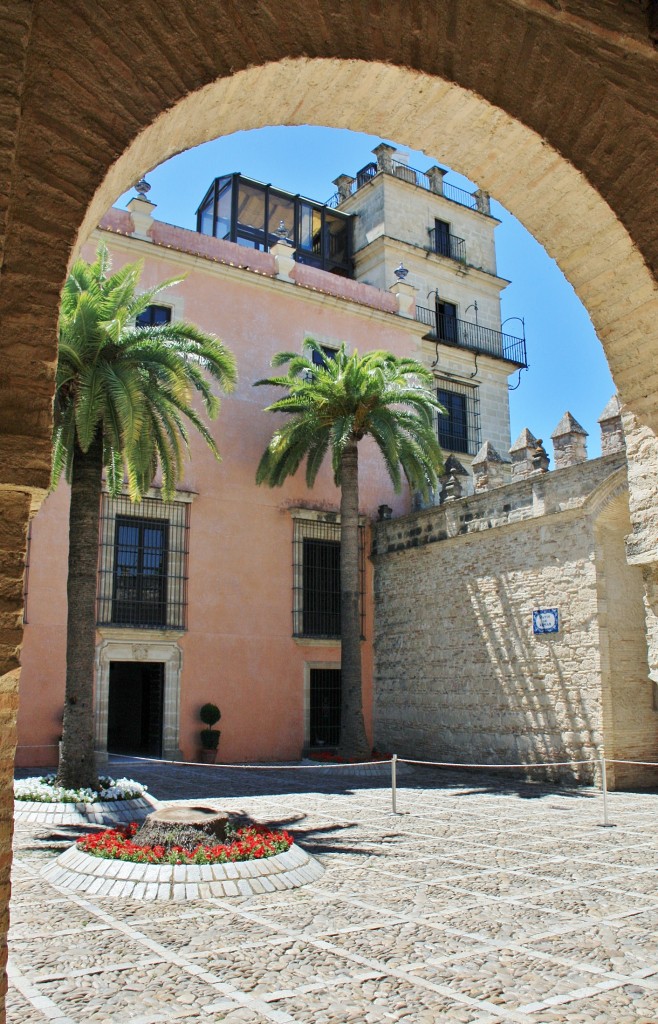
(253,767)
(395,760)
(647,764)
(460,764)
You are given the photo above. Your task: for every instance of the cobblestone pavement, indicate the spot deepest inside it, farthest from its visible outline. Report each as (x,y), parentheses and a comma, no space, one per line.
(483,901)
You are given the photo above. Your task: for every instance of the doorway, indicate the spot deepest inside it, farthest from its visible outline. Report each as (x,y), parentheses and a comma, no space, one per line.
(136,706)
(324,707)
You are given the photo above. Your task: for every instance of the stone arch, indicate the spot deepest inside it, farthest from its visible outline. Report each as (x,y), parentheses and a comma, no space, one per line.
(578,80)
(553,107)
(551,198)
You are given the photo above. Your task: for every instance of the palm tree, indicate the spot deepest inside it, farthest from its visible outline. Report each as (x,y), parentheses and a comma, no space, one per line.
(123,393)
(333,406)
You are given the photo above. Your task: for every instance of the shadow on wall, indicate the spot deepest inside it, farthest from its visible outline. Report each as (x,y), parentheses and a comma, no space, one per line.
(460,675)
(546,703)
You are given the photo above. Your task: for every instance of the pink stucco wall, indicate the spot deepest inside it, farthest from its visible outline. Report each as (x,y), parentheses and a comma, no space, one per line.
(238,651)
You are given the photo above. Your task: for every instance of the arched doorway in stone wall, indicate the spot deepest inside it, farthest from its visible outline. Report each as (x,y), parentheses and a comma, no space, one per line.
(551,108)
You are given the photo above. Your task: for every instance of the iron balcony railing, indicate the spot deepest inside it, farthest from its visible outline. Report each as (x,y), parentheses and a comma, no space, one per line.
(406,173)
(484,340)
(448,245)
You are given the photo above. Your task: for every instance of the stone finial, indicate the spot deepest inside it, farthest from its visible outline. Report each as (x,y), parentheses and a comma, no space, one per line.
(284,260)
(405,293)
(452,486)
(384,154)
(435,175)
(483,200)
(569,444)
(540,459)
(344,185)
(141,211)
(522,452)
(489,468)
(612,430)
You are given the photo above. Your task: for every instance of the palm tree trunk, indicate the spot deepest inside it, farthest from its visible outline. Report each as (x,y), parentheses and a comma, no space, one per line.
(353,740)
(77,766)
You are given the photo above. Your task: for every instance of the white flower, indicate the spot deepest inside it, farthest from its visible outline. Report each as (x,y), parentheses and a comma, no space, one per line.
(44,790)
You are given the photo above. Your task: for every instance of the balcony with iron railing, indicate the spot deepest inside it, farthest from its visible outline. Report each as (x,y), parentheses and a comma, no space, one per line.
(483,340)
(414,177)
(445,244)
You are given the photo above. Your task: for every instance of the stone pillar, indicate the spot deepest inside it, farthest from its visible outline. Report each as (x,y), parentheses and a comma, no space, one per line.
(284,257)
(141,211)
(650,577)
(569,444)
(15,507)
(384,154)
(483,200)
(489,468)
(344,185)
(642,543)
(612,431)
(436,175)
(406,296)
(522,453)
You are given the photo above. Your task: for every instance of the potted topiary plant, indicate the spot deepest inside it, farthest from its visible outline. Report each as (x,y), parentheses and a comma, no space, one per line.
(209,715)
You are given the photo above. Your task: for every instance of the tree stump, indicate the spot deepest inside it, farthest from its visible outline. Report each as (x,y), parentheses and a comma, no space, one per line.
(186,825)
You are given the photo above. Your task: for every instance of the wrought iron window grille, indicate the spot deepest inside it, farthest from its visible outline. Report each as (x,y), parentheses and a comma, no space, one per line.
(154,316)
(142,579)
(459,430)
(316,579)
(446,244)
(324,707)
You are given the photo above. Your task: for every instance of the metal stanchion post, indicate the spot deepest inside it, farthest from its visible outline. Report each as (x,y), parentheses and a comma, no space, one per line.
(604,790)
(394,764)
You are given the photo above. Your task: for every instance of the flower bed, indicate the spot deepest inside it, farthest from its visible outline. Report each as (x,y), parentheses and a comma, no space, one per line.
(249,843)
(42,790)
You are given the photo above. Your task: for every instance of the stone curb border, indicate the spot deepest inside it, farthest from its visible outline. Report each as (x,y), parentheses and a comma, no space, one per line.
(378,769)
(106,812)
(96,876)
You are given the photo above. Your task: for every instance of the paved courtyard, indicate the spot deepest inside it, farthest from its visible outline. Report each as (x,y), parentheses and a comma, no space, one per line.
(485,900)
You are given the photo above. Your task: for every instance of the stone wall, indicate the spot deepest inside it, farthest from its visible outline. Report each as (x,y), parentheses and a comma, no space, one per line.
(459,674)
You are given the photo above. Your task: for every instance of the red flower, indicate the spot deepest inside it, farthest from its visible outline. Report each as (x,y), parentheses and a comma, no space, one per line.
(252,842)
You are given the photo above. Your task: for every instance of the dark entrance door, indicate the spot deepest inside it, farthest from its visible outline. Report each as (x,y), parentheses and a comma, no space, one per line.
(325,707)
(135,712)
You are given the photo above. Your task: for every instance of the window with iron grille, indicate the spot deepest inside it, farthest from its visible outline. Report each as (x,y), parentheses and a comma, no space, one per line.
(154,316)
(143,563)
(320,358)
(316,578)
(459,429)
(324,707)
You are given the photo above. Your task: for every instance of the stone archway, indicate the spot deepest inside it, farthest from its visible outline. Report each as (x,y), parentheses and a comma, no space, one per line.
(552,107)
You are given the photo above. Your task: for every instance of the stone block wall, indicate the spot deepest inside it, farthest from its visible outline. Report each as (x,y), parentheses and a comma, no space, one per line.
(460,675)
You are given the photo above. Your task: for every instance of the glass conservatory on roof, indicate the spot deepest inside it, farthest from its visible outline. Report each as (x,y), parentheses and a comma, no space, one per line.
(258,216)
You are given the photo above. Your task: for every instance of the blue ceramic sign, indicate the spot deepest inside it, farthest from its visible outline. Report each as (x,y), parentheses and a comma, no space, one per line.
(545,620)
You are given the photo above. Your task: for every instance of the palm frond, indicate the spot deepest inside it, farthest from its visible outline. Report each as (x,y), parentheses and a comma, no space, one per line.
(136,384)
(332,406)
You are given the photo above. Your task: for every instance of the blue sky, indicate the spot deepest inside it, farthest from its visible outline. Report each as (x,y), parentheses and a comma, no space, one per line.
(567,367)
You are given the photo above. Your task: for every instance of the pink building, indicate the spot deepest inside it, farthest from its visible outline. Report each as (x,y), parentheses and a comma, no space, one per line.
(229,594)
